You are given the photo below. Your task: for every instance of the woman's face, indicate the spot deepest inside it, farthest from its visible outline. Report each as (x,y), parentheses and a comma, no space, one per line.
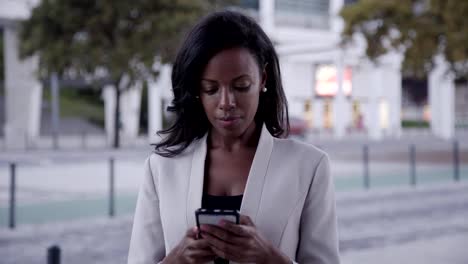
(230,89)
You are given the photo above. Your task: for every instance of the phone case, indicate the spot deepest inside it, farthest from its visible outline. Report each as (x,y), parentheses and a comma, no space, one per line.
(213,216)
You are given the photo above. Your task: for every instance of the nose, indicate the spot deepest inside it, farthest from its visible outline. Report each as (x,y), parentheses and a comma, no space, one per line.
(227,101)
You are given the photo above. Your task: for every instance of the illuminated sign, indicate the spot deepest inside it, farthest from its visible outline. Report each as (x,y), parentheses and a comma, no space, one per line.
(326,83)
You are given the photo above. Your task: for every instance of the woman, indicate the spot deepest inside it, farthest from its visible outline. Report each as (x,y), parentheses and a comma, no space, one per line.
(226,150)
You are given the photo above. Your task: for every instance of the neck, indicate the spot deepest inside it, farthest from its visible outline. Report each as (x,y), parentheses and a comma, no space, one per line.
(247,139)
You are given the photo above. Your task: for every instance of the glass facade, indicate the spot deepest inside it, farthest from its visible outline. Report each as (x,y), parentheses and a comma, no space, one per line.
(303,13)
(249,4)
(299,13)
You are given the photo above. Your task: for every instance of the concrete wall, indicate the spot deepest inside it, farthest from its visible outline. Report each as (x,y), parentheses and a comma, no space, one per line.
(442,101)
(23,95)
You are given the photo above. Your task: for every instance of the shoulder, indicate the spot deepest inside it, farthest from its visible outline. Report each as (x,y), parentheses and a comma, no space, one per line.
(299,149)
(155,160)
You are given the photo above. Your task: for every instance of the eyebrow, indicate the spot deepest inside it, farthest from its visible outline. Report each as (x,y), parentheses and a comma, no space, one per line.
(235,79)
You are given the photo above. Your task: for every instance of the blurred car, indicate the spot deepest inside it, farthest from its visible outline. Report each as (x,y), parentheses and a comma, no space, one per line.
(298,126)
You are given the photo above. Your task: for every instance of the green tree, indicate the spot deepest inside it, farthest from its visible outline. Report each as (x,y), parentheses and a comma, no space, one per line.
(106,41)
(421,29)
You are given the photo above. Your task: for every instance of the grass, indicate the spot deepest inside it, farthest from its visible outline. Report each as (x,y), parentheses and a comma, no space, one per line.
(84,103)
(414,124)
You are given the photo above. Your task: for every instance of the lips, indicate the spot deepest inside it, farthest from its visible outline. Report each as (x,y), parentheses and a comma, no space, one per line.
(229,118)
(228,121)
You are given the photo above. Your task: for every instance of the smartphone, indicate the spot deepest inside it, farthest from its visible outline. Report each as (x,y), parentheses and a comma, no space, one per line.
(213,216)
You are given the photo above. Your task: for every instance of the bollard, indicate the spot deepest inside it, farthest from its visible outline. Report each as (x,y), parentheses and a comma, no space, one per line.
(456,161)
(55,141)
(26,141)
(111,186)
(83,139)
(412,151)
(53,255)
(12,218)
(366,166)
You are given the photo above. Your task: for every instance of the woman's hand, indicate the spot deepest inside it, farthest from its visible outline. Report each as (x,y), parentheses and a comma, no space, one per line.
(190,250)
(241,243)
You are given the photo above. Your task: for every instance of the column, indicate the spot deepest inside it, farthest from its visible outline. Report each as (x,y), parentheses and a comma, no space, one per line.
(108,96)
(392,88)
(156,91)
(374,87)
(267,15)
(336,22)
(395,102)
(442,100)
(155,118)
(130,103)
(23,94)
(317,107)
(340,111)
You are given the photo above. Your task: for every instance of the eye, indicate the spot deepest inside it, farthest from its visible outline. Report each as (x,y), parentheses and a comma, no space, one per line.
(242,88)
(242,85)
(210,90)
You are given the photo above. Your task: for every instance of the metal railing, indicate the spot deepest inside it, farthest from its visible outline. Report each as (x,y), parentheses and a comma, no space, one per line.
(367,180)
(80,140)
(412,164)
(13,187)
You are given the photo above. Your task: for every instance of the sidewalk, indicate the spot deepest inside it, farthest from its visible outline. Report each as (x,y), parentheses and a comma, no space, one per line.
(449,249)
(86,141)
(423,225)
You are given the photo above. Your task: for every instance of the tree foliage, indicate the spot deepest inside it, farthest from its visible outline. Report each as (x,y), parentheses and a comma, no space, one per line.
(421,29)
(106,40)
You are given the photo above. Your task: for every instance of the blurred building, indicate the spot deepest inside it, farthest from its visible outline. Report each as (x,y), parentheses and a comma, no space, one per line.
(22,89)
(335,89)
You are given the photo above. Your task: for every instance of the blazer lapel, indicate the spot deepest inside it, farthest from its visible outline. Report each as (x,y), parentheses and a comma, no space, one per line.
(195,185)
(256,179)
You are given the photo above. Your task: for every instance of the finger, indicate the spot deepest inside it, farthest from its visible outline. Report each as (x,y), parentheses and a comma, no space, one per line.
(230,256)
(238,230)
(227,248)
(192,232)
(201,253)
(200,244)
(204,259)
(237,241)
(218,252)
(246,220)
(217,231)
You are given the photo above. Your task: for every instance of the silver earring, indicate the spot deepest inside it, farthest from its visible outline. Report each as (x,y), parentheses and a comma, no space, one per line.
(264,89)
(197,97)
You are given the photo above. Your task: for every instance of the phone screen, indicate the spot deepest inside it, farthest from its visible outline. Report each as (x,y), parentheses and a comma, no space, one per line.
(214,219)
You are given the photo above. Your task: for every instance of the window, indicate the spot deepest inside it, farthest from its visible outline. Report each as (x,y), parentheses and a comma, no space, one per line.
(249,4)
(307,13)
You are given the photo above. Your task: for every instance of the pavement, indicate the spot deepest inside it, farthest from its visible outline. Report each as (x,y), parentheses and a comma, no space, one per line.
(390,223)
(426,225)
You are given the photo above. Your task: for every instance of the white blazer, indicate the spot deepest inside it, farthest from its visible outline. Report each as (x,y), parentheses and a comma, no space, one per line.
(289,195)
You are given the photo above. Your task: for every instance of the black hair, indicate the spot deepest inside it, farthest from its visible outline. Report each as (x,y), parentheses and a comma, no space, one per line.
(217,32)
